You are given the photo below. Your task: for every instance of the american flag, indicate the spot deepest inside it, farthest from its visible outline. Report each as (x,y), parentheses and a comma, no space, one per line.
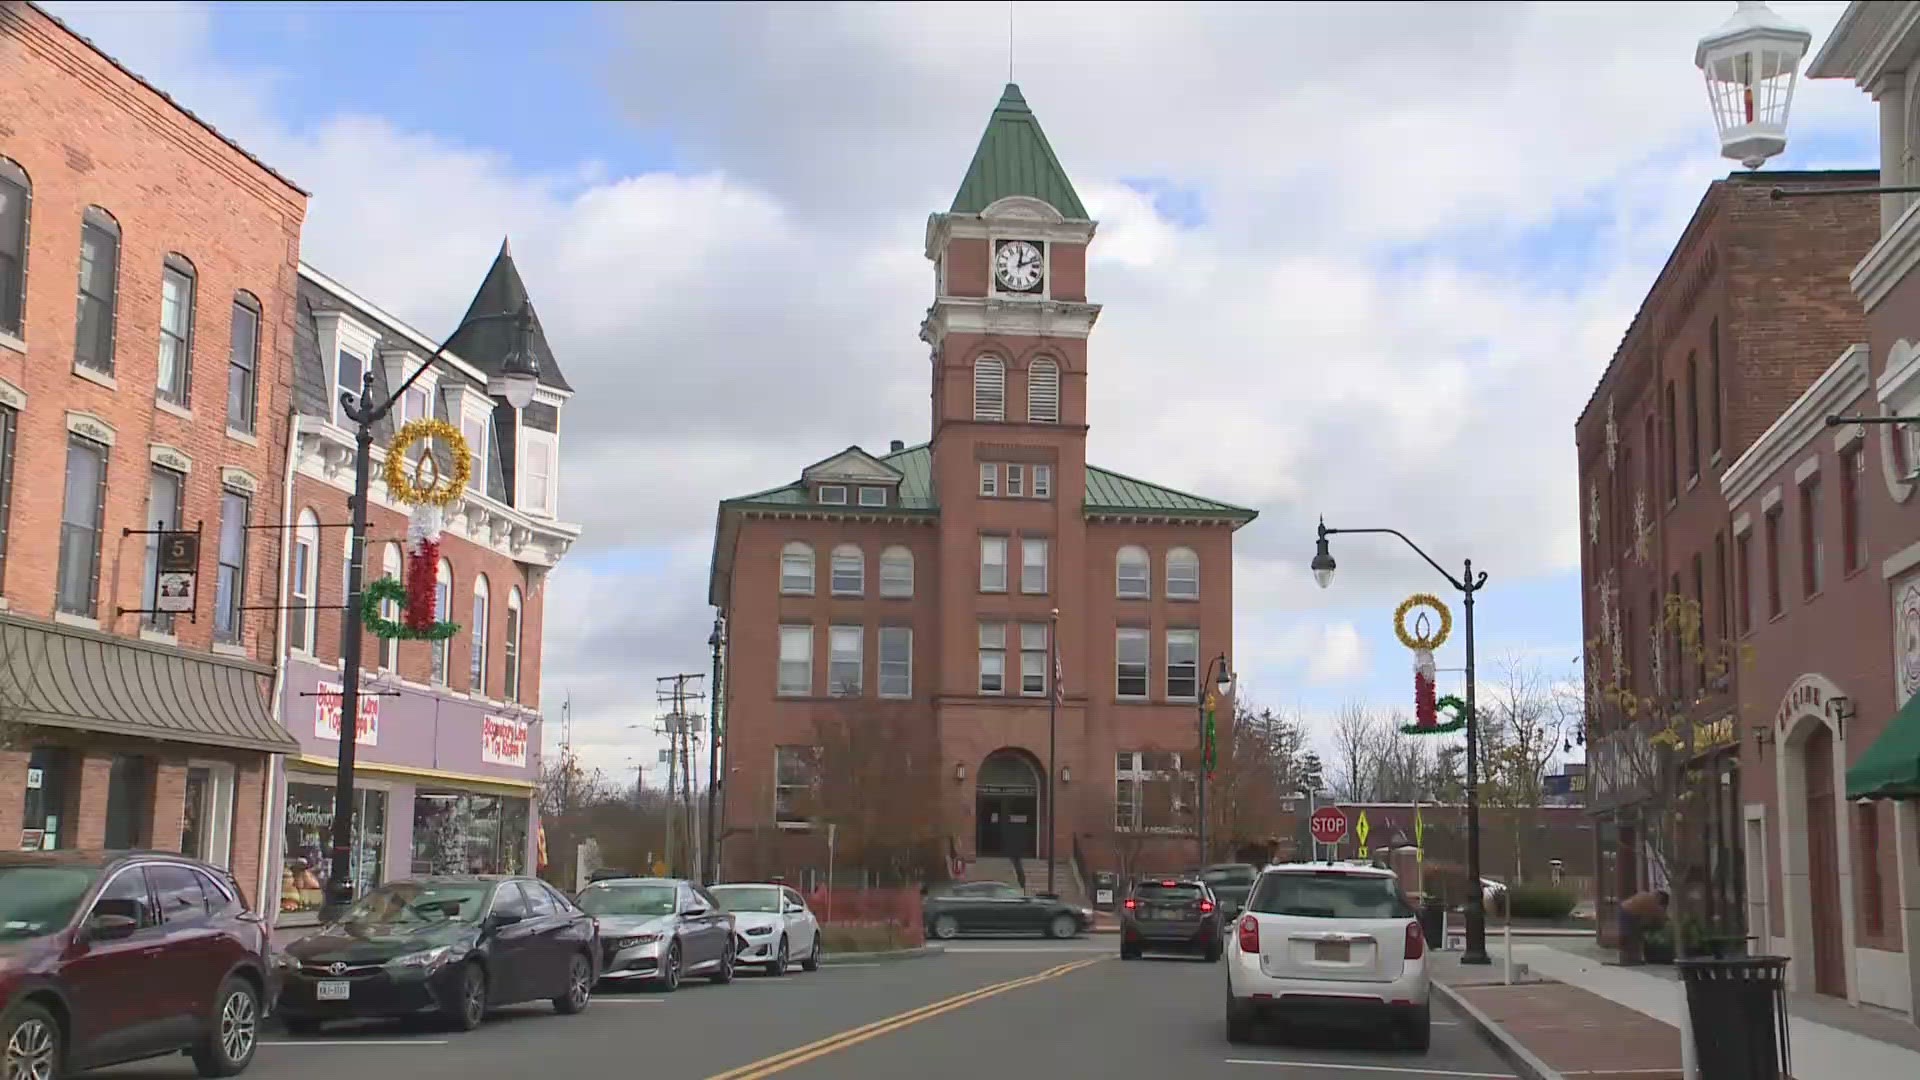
(1059,691)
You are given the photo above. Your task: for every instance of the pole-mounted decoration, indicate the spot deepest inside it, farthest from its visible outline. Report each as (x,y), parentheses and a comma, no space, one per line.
(1423,638)
(1210,750)
(429,494)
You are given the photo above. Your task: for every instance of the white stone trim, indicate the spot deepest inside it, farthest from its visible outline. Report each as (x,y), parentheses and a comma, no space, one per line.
(240,480)
(89,426)
(1034,218)
(1792,723)
(340,332)
(1906,831)
(1901,561)
(1888,261)
(400,363)
(1883,976)
(1759,918)
(1007,315)
(1843,381)
(1743,523)
(12,396)
(1806,470)
(1771,499)
(169,457)
(348,295)
(1863,42)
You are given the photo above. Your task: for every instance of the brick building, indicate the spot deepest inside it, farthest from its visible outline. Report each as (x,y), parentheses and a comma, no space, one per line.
(1749,309)
(923,580)
(449,733)
(147,270)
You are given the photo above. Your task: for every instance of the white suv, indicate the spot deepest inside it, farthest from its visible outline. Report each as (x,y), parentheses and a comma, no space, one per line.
(1327,940)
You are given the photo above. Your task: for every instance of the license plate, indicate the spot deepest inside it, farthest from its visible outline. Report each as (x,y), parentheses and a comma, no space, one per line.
(1332,952)
(332,990)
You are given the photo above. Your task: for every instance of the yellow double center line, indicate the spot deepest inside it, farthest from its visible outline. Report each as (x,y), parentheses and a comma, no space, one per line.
(800,1055)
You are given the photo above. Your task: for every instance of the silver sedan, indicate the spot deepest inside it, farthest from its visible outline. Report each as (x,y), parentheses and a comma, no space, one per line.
(660,930)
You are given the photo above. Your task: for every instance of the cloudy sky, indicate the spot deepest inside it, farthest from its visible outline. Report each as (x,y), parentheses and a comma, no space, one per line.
(1363,261)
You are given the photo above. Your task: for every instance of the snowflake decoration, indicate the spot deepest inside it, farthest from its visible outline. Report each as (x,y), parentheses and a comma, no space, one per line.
(1613,438)
(1656,661)
(1610,609)
(1593,514)
(1642,529)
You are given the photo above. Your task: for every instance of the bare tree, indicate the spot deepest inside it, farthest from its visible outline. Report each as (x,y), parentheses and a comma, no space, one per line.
(1401,762)
(1262,764)
(1356,750)
(1522,727)
(876,777)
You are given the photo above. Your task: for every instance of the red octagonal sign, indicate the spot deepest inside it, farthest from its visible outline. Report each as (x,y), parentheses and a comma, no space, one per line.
(1328,825)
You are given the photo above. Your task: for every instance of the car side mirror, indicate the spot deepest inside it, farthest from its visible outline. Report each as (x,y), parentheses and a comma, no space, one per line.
(501,919)
(110,927)
(695,913)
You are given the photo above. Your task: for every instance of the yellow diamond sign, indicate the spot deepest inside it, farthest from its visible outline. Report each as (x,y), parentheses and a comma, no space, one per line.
(1361,828)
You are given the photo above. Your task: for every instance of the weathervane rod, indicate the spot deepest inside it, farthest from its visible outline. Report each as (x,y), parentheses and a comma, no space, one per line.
(1009,40)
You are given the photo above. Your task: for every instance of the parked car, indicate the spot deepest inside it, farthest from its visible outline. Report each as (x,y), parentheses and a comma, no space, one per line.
(1328,943)
(771,925)
(1230,883)
(660,930)
(451,947)
(1171,915)
(993,907)
(114,957)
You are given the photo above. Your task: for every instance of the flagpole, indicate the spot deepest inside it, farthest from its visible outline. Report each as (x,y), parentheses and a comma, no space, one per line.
(1053,712)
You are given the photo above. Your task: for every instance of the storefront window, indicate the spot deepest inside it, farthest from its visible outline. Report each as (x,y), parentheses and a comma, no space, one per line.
(464,833)
(129,802)
(48,776)
(309,837)
(206,819)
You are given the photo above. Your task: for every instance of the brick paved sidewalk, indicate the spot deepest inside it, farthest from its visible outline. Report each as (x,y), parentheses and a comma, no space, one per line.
(1580,1034)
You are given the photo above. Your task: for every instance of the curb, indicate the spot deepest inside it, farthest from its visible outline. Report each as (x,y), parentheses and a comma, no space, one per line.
(1523,1060)
(830,959)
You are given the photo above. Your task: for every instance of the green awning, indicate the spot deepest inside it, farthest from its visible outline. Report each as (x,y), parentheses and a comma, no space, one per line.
(1890,769)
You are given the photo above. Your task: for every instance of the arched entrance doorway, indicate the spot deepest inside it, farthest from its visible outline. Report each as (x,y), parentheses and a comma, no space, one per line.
(1815,848)
(1823,865)
(1007,806)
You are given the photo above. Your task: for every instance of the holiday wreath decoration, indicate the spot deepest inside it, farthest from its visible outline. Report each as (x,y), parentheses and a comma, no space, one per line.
(429,493)
(1423,638)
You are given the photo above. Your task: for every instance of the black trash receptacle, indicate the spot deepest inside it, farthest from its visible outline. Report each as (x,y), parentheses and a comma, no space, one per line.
(1739,1013)
(1433,921)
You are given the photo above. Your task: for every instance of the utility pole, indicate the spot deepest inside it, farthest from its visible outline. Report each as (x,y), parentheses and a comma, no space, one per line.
(672,692)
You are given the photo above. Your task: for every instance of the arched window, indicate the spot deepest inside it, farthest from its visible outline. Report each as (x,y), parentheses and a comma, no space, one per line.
(796,569)
(1133,574)
(99,290)
(1183,574)
(849,571)
(477,666)
(512,654)
(390,609)
(301,613)
(442,606)
(989,389)
(896,572)
(16,196)
(1043,392)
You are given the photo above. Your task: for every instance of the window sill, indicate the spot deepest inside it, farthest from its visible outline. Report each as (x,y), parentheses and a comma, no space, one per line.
(227,648)
(1693,482)
(1183,599)
(96,377)
(180,411)
(243,437)
(839,594)
(1131,596)
(1123,700)
(67,618)
(5,605)
(789,592)
(13,343)
(159,637)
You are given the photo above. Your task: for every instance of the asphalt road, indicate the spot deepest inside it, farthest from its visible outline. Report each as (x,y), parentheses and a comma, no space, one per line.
(1009,1008)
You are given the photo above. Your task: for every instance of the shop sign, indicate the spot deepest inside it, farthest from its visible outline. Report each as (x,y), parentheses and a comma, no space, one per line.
(179,571)
(1806,694)
(503,741)
(1713,735)
(32,839)
(326,715)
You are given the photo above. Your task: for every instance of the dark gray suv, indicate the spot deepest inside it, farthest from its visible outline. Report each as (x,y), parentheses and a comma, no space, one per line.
(1179,915)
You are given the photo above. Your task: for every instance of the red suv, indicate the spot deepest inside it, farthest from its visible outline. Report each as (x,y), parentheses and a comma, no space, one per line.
(108,957)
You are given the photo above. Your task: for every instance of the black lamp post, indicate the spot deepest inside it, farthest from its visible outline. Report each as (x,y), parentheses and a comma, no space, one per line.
(715,641)
(1476,951)
(518,375)
(1053,729)
(1225,676)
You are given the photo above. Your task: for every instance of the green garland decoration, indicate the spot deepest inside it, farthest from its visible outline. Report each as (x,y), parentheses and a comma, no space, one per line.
(390,589)
(1452,707)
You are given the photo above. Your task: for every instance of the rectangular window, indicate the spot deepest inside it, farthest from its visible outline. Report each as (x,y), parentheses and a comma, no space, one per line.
(1693,417)
(1672,434)
(175,379)
(793,770)
(1016,481)
(1043,481)
(477,632)
(1700,606)
(1674,655)
(796,660)
(129,802)
(348,378)
(538,473)
(989,478)
(1151,793)
(873,496)
(993,658)
(1131,649)
(442,609)
(796,571)
(1813,545)
(846,660)
(1033,565)
(243,364)
(478,432)
(833,495)
(1773,561)
(9,430)
(1713,386)
(1183,665)
(13,249)
(99,280)
(166,490)
(896,661)
(1743,582)
(512,646)
(847,571)
(1872,889)
(416,404)
(1033,659)
(1723,601)
(1852,539)
(299,626)
(80,522)
(993,564)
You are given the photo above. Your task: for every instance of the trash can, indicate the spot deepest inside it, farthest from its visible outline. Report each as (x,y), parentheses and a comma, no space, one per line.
(1433,921)
(1105,887)
(1739,1013)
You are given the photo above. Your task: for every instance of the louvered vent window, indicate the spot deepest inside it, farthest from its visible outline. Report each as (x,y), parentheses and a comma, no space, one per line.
(989,389)
(1043,392)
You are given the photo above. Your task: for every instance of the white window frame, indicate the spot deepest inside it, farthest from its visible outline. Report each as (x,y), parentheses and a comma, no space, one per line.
(1043,481)
(217,815)
(546,499)
(1043,392)
(1183,586)
(873,496)
(989,389)
(1130,779)
(832,495)
(787,665)
(989,479)
(1033,574)
(846,665)
(360,373)
(790,557)
(1186,638)
(847,571)
(787,752)
(1144,637)
(477,428)
(896,673)
(516,619)
(390,563)
(993,572)
(1016,481)
(1033,659)
(1133,566)
(303,615)
(478,633)
(893,584)
(438,674)
(993,655)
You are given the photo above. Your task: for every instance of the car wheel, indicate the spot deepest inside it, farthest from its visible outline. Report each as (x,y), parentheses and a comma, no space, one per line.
(579,987)
(228,1048)
(1239,1021)
(670,970)
(469,1005)
(946,927)
(32,1048)
(1417,1029)
(1063,926)
(812,962)
(723,974)
(778,965)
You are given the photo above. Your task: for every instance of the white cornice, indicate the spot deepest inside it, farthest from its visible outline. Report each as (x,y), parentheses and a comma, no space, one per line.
(1889,261)
(1797,427)
(998,315)
(1029,217)
(349,296)
(1866,41)
(348,333)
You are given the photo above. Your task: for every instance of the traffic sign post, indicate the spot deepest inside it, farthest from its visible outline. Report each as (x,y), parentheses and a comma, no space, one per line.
(1328,825)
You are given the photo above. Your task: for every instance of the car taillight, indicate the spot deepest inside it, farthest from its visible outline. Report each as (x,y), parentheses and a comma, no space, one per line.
(1250,935)
(1130,903)
(1206,907)
(1416,941)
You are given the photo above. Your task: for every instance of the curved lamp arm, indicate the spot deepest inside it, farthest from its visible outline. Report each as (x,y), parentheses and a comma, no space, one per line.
(1475,585)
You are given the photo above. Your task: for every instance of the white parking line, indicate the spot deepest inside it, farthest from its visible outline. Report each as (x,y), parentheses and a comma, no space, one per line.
(353,1042)
(1368,1068)
(1027,949)
(627,1001)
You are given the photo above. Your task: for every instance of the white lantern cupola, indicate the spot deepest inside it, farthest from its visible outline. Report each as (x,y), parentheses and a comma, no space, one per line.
(1751,64)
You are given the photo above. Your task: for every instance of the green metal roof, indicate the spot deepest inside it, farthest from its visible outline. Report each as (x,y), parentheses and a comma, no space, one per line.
(1014,158)
(916,484)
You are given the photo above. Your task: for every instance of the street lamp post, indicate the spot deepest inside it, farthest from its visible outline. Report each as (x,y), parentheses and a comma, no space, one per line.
(715,641)
(519,374)
(1217,664)
(1323,566)
(1053,719)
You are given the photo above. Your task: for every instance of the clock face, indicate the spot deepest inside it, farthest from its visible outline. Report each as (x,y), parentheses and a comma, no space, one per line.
(1017,265)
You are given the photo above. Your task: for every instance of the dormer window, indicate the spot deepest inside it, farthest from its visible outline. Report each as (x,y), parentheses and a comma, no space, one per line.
(873,496)
(832,495)
(349,370)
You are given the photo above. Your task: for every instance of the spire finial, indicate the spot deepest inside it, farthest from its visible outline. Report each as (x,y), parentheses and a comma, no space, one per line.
(506,247)
(1009,40)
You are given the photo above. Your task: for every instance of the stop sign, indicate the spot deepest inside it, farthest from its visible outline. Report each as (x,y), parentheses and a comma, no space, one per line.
(1328,825)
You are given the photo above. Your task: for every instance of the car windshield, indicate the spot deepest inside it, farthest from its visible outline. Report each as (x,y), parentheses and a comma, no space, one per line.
(627,900)
(1330,895)
(1228,875)
(409,902)
(37,900)
(1166,892)
(747,898)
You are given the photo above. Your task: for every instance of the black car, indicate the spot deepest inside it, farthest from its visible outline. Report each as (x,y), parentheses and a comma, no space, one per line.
(452,947)
(993,907)
(1171,915)
(1230,883)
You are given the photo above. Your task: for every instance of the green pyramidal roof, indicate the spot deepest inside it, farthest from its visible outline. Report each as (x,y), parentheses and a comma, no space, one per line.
(1014,158)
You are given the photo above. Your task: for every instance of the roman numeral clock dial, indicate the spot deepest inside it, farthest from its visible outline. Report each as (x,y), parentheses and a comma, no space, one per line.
(1017,265)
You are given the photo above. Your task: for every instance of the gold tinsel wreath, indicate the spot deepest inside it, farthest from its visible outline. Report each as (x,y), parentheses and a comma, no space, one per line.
(1417,600)
(441,492)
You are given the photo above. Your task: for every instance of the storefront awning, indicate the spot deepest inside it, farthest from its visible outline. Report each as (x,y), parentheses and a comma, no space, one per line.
(68,677)
(1890,769)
